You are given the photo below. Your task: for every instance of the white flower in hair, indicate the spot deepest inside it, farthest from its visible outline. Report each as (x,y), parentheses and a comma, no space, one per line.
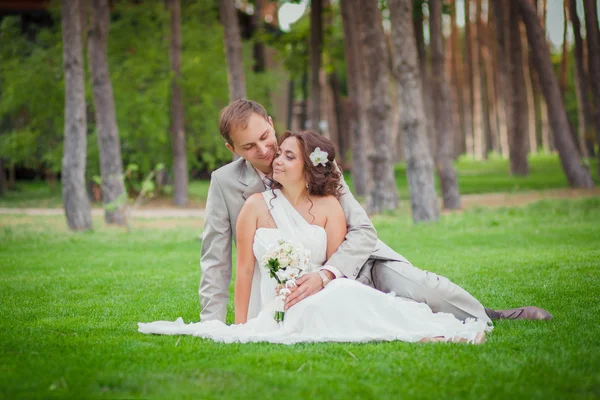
(319,157)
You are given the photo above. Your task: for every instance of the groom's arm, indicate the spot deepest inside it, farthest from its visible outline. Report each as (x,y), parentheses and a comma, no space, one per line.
(360,241)
(215,260)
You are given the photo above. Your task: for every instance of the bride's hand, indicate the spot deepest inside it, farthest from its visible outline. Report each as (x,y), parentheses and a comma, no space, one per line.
(307,285)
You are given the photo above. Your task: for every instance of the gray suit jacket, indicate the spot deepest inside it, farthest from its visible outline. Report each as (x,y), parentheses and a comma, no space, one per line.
(229,188)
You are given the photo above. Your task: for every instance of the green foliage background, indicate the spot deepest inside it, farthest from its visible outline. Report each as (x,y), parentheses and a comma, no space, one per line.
(32,88)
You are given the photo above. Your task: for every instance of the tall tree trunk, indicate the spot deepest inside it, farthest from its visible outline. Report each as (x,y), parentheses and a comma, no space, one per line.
(593,44)
(458,78)
(316,45)
(382,193)
(500,70)
(586,122)
(504,82)
(564,62)
(576,174)
(356,84)
(478,122)
(233,50)
(535,110)
(517,135)
(304,108)
(547,142)
(2,178)
(111,165)
(419,164)
(260,58)
(442,110)
(12,182)
(425,73)
(488,111)
(338,111)
(75,198)
(469,95)
(180,187)
(290,105)
(531,139)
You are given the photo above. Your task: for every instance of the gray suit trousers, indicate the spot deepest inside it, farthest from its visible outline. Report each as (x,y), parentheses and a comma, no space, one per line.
(410,282)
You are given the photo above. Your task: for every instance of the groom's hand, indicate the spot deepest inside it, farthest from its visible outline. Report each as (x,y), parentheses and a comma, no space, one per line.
(308,285)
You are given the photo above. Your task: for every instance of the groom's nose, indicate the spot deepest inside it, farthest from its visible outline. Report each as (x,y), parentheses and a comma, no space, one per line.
(262,149)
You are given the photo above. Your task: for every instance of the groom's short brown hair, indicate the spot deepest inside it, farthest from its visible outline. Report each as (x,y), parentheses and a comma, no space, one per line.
(236,116)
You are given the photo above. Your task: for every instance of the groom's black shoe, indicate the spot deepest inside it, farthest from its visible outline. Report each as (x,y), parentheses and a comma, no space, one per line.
(529,312)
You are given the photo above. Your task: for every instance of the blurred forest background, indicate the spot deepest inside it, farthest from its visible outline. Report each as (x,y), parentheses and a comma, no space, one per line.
(113,99)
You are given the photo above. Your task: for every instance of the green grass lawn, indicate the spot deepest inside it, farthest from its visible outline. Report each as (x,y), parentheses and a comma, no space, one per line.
(475,177)
(69,305)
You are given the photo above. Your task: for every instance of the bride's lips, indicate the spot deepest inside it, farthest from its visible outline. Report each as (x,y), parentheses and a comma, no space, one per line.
(277,170)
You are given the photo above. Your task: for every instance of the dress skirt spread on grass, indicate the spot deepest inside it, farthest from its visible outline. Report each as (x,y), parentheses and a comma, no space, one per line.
(344,311)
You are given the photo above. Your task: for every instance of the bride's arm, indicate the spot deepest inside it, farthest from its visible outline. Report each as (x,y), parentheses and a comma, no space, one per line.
(245,227)
(335,226)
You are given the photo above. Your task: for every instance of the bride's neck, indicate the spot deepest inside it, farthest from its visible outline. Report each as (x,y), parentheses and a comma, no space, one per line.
(295,194)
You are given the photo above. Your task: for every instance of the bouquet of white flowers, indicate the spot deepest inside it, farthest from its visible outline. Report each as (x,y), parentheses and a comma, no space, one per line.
(285,263)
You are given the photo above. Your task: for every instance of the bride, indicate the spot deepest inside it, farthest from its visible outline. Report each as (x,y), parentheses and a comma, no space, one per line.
(302,207)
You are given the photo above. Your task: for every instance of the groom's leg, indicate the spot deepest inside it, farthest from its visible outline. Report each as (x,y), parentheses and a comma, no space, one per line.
(439,293)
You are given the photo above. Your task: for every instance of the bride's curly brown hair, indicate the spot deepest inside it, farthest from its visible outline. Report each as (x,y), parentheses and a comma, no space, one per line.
(322,180)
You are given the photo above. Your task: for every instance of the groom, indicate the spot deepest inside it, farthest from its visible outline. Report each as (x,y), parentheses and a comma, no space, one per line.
(248,132)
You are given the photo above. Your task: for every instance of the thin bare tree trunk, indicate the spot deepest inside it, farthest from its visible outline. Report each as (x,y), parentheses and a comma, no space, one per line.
(180,187)
(425,72)
(352,48)
(459,82)
(576,174)
(260,57)
(501,16)
(316,45)
(469,95)
(529,89)
(517,136)
(586,122)
(2,178)
(547,141)
(382,193)
(75,198)
(478,122)
(593,45)
(419,164)
(442,111)
(111,166)
(233,50)
(495,54)
(486,110)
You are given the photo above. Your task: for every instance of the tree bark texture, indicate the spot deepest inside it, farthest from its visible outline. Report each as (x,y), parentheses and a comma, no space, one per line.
(75,198)
(315,50)
(517,136)
(442,110)
(111,164)
(577,175)
(352,48)
(587,133)
(382,192)
(459,82)
(419,163)
(233,50)
(469,95)
(488,111)
(178,142)
(593,45)
(501,15)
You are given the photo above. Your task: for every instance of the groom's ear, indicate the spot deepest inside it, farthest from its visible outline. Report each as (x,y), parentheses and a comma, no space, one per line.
(230,147)
(270,120)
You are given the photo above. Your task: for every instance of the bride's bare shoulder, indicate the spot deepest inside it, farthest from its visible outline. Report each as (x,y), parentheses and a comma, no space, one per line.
(327,203)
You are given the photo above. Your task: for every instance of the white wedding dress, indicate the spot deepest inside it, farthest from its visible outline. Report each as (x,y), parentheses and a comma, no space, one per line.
(344,311)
